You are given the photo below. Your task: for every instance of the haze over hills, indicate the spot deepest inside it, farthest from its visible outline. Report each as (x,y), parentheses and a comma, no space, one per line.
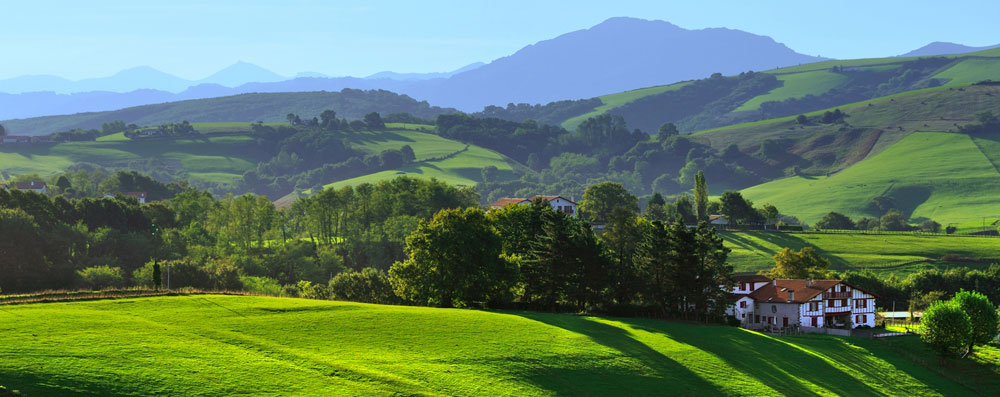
(634,53)
(945,48)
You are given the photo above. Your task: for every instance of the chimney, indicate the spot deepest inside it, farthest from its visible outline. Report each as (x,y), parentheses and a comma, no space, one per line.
(791,295)
(809,283)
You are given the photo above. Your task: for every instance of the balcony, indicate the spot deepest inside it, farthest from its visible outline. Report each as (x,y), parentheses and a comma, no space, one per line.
(837,295)
(837,309)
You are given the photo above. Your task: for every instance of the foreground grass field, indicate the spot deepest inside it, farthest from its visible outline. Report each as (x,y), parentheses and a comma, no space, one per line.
(224,345)
(884,254)
(946,177)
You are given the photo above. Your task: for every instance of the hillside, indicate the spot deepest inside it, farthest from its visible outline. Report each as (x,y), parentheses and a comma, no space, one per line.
(754,251)
(268,107)
(956,182)
(212,345)
(225,151)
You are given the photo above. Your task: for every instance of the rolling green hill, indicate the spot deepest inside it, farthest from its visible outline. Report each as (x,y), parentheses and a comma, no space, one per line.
(226,150)
(946,177)
(226,345)
(883,253)
(269,107)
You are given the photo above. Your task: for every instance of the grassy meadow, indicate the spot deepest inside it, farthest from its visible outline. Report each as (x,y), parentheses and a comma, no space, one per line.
(797,85)
(225,345)
(931,175)
(615,100)
(899,254)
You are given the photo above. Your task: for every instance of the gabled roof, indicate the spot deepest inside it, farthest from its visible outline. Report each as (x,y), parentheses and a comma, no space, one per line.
(751,278)
(714,217)
(550,198)
(29,185)
(804,290)
(507,201)
(141,195)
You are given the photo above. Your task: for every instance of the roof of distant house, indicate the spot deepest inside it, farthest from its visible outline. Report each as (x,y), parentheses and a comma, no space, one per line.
(550,198)
(751,278)
(714,217)
(141,195)
(507,201)
(30,185)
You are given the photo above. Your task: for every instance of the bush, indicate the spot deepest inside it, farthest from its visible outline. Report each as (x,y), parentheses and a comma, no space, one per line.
(261,285)
(930,226)
(369,285)
(950,229)
(101,277)
(309,290)
(835,221)
(946,328)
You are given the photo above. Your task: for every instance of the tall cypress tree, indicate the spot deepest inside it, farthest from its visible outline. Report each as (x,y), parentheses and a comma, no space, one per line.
(701,196)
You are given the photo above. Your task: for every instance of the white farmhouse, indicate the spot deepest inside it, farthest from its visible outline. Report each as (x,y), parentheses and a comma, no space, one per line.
(37,187)
(558,203)
(803,303)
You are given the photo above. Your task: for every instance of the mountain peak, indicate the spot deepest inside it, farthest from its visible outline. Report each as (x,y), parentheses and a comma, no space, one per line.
(241,73)
(944,48)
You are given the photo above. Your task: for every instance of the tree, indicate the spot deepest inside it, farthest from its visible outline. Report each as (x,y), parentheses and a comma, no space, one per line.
(929,226)
(656,208)
(835,221)
(770,213)
(655,266)
(666,131)
(3,131)
(157,277)
(737,209)
(700,197)
(685,209)
(982,314)
(893,221)
(600,200)
(328,120)
(803,264)
(408,155)
(490,173)
(453,259)
(867,224)
(802,119)
(374,121)
(946,328)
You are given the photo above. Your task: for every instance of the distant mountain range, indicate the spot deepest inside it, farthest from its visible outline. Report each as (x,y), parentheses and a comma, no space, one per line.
(943,48)
(616,55)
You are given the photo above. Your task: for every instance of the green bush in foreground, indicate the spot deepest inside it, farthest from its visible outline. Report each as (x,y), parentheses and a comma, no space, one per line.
(946,328)
(982,314)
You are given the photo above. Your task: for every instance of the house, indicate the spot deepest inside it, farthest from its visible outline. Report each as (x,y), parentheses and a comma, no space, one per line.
(15,139)
(37,187)
(782,303)
(558,203)
(4,187)
(141,196)
(718,220)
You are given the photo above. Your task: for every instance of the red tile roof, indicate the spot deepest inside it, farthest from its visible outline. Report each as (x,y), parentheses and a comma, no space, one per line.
(550,198)
(804,290)
(507,201)
(750,278)
(30,185)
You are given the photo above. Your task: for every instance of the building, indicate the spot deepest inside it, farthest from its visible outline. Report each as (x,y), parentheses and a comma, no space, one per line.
(9,139)
(558,203)
(782,303)
(37,187)
(141,196)
(718,220)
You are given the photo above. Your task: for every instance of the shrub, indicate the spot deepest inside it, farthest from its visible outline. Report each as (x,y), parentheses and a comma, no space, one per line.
(950,229)
(946,328)
(369,285)
(929,226)
(836,221)
(261,285)
(101,277)
(982,314)
(309,290)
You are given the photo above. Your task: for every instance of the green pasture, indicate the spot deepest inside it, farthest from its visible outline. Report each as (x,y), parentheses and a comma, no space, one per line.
(883,253)
(615,100)
(236,345)
(931,175)
(797,85)
(463,169)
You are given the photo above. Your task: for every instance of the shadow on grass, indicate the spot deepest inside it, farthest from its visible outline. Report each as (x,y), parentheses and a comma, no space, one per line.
(783,240)
(772,362)
(670,378)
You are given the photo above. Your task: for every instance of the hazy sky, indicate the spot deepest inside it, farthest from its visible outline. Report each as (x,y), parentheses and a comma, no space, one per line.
(79,39)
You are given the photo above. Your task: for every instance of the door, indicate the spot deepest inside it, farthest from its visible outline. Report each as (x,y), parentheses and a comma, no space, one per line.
(814,322)
(784,321)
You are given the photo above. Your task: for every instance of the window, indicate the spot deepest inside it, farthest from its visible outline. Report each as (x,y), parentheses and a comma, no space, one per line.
(814,322)
(743,304)
(830,303)
(864,318)
(813,306)
(860,303)
(843,302)
(743,315)
(756,318)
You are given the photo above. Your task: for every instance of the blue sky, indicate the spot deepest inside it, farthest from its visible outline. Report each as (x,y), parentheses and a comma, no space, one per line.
(192,39)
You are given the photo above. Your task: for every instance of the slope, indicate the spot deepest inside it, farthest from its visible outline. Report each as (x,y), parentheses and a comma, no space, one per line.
(212,345)
(269,107)
(939,176)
